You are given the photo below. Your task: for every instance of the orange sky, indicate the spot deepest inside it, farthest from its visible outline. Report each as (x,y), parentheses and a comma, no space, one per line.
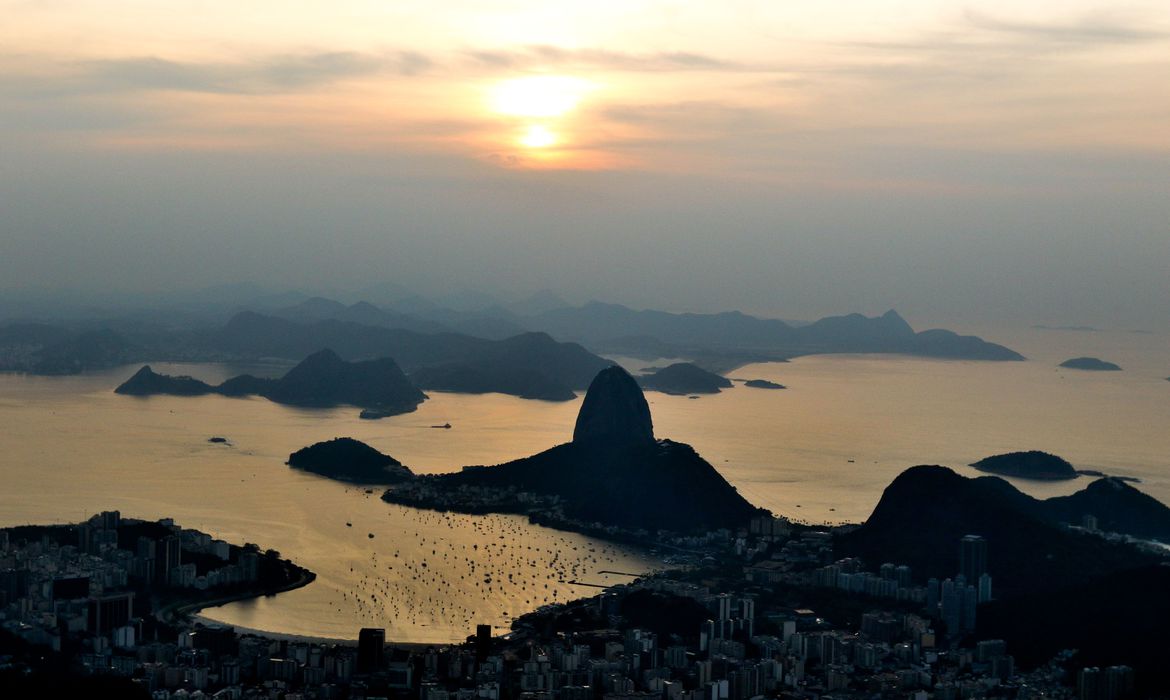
(985,158)
(650,85)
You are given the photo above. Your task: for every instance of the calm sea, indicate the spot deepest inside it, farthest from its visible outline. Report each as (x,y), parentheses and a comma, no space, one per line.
(821,450)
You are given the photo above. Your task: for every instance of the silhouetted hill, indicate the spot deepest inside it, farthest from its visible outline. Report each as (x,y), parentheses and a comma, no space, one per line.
(926,510)
(614,412)
(246,385)
(321,380)
(31,335)
(537,303)
(1028,465)
(86,351)
(321,309)
(147,382)
(1118,507)
(598,322)
(684,378)
(856,333)
(454,362)
(324,379)
(349,460)
(613,473)
(1091,364)
(1120,618)
(662,485)
(412,313)
(606,327)
(420,333)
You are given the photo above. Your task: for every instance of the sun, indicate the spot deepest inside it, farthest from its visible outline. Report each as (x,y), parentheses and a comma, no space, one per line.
(538,136)
(538,96)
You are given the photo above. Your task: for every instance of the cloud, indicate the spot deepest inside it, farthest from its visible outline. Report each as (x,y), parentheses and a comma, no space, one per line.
(541,56)
(270,75)
(1094,29)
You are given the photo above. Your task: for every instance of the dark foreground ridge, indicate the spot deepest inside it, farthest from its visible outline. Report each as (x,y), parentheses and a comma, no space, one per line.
(350,460)
(1091,364)
(927,509)
(614,474)
(321,380)
(1033,464)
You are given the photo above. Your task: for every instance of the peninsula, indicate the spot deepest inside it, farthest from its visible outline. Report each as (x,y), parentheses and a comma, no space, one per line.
(926,509)
(614,475)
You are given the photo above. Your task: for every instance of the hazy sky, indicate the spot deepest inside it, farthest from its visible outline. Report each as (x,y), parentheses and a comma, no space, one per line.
(973,161)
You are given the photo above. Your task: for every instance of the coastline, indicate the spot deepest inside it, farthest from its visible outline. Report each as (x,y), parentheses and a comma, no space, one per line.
(322,641)
(170,612)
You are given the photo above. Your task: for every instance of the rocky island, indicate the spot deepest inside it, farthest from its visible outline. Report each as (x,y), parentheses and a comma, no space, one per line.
(1033,464)
(350,460)
(321,380)
(763,384)
(613,476)
(684,378)
(1091,364)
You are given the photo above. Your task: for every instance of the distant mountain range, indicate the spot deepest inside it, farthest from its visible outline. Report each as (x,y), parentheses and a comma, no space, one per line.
(493,348)
(728,339)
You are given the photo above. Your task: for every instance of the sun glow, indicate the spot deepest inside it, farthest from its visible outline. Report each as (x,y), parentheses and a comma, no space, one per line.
(539,96)
(538,136)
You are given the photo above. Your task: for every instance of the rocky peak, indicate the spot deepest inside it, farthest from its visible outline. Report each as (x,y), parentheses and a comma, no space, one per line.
(614,411)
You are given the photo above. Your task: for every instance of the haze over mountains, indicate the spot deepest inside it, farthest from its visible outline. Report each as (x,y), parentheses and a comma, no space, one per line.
(539,348)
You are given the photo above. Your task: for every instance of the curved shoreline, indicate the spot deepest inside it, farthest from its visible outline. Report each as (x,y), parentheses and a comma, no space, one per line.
(172,611)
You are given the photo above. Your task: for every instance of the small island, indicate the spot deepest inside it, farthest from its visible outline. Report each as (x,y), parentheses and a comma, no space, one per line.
(346,459)
(1033,464)
(1090,364)
(763,384)
(684,378)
